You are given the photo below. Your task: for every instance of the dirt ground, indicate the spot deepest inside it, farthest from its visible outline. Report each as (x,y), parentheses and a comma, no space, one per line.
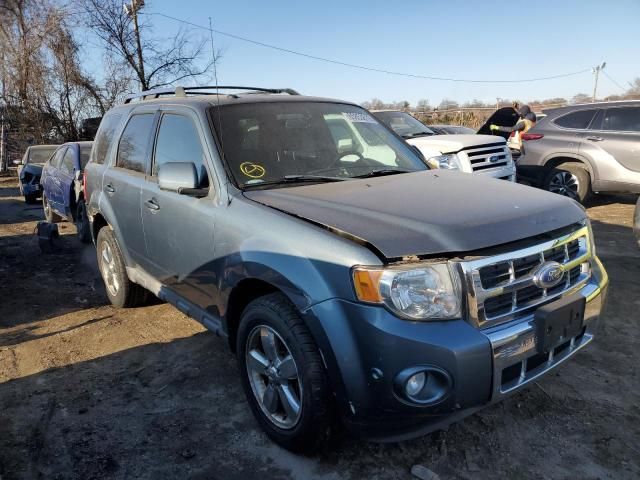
(88,391)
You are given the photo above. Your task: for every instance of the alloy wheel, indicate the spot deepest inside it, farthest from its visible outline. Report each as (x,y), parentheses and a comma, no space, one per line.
(274,378)
(565,183)
(108,269)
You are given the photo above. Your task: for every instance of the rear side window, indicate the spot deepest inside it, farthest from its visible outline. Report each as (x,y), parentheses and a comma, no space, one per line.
(67,161)
(623,119)
(104,137)
(578,120)
(132,149)
(178,141)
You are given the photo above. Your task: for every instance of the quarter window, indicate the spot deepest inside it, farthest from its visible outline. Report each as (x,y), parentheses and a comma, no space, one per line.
(578,120)
(178,141)
(132,149)
(623,119)
(56,160)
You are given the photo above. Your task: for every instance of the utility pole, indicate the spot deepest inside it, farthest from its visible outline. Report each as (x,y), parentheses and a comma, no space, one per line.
(596,71)
(132,10)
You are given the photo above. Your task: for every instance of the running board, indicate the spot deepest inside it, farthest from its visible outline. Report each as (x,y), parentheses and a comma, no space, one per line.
(190,309)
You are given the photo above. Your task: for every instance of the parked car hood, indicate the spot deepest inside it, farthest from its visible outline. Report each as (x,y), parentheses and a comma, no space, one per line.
(452,143)
(31,168)
(426,213)
(503,117)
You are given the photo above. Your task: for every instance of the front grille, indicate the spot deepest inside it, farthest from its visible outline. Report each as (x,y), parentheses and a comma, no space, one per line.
(502,288)
(479,157)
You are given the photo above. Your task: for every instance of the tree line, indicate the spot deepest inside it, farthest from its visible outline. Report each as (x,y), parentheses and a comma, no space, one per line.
(45,89)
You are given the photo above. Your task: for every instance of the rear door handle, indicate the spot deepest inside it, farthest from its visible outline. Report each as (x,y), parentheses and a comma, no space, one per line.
(151,204)
(109,188)
(595,139)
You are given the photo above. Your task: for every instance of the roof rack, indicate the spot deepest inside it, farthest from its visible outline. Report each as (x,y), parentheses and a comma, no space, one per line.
(183,91)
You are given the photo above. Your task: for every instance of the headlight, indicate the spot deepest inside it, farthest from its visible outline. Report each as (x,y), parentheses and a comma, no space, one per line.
(417,292)
(449,161)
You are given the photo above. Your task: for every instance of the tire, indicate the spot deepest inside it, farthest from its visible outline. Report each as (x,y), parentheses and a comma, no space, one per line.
(31,199)
(121,291)
(82,223)
(49,214)
(273,316)
(571,180)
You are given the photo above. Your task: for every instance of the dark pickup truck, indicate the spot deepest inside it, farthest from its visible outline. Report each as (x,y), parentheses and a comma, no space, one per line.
(353,283)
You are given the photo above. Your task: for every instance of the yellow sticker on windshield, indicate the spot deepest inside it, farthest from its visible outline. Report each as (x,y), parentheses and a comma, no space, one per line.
(252,170)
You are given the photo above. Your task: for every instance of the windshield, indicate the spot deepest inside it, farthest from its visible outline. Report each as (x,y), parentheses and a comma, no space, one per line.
(268,142)
(85,152)
(40,155)
(404,124)
(454,130)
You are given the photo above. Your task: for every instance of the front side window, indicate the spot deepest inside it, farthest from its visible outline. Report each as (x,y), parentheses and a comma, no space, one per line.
(266,142)
(622,119)
(105,136)
(578,120)
(132,149)
(67,162)
(56,160)
(178,141)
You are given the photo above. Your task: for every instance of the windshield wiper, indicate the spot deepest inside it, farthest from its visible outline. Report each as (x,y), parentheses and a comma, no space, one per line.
(382,172)
(298,179)
(417,134)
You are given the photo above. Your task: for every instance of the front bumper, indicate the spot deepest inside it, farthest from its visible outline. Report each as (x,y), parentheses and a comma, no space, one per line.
(505,173)
(365,347)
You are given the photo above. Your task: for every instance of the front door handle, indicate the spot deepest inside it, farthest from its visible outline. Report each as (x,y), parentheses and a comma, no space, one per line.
(595,139)
(109,188)
(151,204)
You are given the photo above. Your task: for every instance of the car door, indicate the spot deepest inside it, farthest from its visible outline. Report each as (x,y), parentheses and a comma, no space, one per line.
(179,228)
(65,175)
(52,189)
(615,132)
(122,182)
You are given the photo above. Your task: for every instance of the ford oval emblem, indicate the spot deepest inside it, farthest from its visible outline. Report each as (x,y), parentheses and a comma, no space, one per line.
(494,158)
(548,275)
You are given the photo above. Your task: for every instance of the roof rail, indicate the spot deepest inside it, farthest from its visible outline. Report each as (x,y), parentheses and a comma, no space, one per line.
(183,91)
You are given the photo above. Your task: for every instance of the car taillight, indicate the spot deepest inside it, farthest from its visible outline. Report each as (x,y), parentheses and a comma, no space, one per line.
(531,136)
(84,185)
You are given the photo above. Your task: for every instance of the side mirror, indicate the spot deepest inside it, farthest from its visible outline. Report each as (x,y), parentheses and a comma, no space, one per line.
(177,176)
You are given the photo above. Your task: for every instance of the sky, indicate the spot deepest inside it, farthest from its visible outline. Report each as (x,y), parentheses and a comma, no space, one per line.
(490,40)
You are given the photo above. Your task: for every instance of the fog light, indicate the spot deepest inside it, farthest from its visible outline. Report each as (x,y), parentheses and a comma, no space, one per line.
(415,384)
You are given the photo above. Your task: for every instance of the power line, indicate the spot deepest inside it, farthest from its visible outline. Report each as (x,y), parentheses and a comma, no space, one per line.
(617,84)
(362,67)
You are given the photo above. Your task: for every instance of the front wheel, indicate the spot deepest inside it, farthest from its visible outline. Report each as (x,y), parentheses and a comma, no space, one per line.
(82,223)
(283,375)
(570,180)
(121,291)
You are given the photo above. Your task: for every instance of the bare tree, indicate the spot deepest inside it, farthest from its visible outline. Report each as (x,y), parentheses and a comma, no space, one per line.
(152,61)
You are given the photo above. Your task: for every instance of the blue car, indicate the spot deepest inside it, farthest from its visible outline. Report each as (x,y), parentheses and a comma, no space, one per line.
(62,186)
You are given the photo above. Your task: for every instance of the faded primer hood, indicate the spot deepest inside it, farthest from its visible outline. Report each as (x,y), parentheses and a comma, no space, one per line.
(426,213)
(453,143)
(32,168)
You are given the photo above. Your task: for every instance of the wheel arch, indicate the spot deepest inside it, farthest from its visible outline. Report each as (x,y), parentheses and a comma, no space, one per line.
(554,160)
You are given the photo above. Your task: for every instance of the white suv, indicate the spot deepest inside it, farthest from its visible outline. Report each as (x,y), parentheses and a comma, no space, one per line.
(482,154)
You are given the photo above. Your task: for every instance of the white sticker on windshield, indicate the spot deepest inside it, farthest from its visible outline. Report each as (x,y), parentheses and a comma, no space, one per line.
(359,117)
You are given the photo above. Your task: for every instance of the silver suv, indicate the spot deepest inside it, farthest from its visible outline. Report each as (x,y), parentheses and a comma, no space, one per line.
(581,149)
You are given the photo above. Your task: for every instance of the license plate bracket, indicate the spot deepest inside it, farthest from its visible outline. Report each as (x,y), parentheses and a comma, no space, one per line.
(559,321)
